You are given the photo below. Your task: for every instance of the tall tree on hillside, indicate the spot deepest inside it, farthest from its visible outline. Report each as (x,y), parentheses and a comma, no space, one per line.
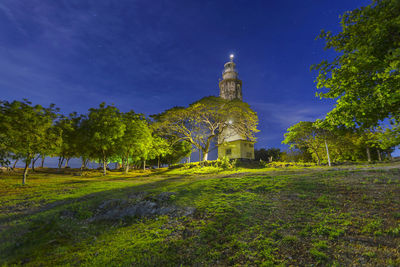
(304,135)
(201,122)
(27,128)
(105,128)
(365,76)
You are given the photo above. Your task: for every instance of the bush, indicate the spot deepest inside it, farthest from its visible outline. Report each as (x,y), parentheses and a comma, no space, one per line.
(224,163)
(280,164)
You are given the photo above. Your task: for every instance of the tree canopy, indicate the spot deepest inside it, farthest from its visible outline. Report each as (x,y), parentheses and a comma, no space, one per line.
(203,121)
(364,77)
(27,130)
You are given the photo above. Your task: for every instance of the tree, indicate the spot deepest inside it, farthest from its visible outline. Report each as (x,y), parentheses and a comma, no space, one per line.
(304,135)
(267,155)
(136,140)
(203,121)
(27,129)
(159,149)
(105,128)
(69,145)
(387,138)
(364,77)
(176,152)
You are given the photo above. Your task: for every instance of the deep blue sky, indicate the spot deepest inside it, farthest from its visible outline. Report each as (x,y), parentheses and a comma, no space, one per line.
(152,55)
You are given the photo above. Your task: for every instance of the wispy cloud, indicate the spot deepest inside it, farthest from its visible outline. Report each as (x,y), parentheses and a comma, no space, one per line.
(286,114)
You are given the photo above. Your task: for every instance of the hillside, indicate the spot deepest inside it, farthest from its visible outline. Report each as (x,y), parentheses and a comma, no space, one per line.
(288,216)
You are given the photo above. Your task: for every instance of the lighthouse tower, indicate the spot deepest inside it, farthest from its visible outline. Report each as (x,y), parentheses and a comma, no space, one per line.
(230,143)
(230,87)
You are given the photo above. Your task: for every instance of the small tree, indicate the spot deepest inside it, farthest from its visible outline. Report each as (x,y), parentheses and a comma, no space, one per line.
(136,140)
(105,128)
(304,135)
(28,129)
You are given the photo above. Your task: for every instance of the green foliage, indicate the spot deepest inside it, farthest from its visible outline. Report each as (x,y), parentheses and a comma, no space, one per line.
(177,150)
(345,144)
(104,128)
(270,154)
(69,145)
(364,77)
(304,136)
(26,130)
(137,142)
(225,163)
(209,166)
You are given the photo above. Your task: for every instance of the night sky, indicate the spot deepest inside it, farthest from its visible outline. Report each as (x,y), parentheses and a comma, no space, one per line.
(152,55)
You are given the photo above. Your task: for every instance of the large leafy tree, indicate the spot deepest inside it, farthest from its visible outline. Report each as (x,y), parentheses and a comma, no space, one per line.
(203,121)
(27,130)
(365,75)
(304,136)
(104,129)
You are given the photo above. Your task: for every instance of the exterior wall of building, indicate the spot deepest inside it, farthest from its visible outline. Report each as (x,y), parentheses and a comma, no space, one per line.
(239,149)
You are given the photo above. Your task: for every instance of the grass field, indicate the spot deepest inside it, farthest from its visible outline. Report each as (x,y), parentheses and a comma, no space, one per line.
(260,217)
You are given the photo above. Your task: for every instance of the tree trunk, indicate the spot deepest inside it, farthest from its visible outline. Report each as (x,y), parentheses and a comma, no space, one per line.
(43,157)
(25,171)
(389,154)
(379,154)
(158,163)
(33,165)
(83,163)
(15,163)
(319,160)
(327,153)
(123,163)
(104,166)
(144,164)
(86,163)
(127,166)
(66,162)
(33,162)
(60,161)
(205,155)
(368,154)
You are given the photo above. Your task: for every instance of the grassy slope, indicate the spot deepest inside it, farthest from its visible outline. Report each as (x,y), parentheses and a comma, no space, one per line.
(286,216)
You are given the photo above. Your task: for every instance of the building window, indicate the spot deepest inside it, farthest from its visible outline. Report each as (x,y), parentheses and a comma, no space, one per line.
(251,145)
(248,154)
(228,151)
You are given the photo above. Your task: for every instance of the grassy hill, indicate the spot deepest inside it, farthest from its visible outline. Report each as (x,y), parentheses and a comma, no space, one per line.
(203,216)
